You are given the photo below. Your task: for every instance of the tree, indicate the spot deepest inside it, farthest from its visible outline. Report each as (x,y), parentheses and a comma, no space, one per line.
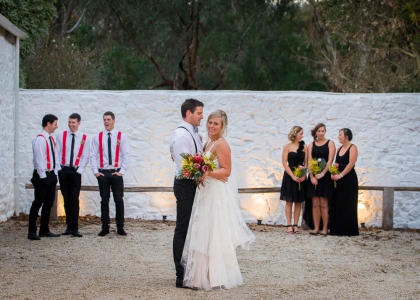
(197,44)
(366,46)
(60,64)
(33,17)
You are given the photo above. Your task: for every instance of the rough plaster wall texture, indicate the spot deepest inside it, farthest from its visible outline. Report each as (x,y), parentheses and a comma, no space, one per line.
(385,127)
(7,131)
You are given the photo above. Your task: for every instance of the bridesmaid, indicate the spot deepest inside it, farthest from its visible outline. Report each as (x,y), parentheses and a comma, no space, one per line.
(320,186)
(344,213)
(293,189)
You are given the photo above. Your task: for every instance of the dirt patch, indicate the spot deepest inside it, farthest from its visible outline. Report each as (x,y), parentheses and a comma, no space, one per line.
(375,265)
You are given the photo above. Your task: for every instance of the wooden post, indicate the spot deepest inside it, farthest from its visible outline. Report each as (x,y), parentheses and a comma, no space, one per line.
(388,208)
(53,213)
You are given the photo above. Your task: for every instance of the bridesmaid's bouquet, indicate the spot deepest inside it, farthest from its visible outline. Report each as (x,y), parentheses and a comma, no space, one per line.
(317,165)
(194,166)
(299,172)
(334,171)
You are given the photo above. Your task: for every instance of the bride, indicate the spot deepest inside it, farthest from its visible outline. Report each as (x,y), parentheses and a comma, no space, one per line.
(216,226)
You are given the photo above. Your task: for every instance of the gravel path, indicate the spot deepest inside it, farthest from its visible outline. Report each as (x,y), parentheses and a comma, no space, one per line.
(376,265)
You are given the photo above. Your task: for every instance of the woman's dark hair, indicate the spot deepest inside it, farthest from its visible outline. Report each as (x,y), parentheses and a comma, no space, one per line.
(48,119)
(347,132)
(190,105)
(313,131)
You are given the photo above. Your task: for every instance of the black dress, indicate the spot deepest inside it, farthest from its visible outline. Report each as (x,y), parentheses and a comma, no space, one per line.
(325,184)
(290,191)
(344,205)
(324,188)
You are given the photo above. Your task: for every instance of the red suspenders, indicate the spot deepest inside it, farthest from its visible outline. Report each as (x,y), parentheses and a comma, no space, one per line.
(79,154)
(117,150)
(63,148)
(48,151)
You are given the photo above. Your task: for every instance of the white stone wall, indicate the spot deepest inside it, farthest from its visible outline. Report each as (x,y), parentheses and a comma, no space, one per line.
(7,131)
(386,130)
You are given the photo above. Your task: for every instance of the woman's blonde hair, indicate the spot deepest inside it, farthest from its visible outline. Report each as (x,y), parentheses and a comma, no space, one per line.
(293,133)
(223,116)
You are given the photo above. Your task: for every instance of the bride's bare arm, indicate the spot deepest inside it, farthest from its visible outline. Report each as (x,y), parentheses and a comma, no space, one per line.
(223,153)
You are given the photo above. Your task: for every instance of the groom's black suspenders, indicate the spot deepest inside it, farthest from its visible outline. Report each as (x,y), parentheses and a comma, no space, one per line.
(191,136)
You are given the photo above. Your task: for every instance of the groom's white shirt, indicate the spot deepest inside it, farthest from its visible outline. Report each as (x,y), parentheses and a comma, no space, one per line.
(182,142)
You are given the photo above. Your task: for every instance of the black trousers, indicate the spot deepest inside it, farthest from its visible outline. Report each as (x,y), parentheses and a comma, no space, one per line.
(44,193)
(70,184)
(116,183)
(184,191)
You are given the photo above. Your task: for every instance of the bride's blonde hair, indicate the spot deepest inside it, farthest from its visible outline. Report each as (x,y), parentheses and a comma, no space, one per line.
(223,116)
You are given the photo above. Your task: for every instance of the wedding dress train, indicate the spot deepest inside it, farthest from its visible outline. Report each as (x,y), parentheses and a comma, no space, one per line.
(215,230)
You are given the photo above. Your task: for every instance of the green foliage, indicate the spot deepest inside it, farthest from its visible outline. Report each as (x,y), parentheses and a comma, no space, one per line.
(413,10)
(366,46)
(60,64)
(123,71)
(248,44)
(31,16)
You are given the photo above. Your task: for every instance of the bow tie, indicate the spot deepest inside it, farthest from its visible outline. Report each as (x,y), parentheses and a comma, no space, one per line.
(195,129)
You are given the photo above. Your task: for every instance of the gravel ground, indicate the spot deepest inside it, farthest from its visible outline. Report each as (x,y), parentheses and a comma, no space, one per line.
(375,265)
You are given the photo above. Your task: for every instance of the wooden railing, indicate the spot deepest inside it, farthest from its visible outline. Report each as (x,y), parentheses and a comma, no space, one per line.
(387,197)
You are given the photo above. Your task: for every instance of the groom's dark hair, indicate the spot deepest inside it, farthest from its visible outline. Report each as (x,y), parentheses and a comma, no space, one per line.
(190,104)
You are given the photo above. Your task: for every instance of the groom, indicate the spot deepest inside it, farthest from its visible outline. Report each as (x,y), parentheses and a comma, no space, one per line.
(184,139)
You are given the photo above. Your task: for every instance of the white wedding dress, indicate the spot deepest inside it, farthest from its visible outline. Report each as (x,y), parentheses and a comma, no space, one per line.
(215,230)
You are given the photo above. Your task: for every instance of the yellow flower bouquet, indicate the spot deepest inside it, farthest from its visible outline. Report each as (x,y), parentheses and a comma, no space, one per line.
(316,165)
(334,171)
(299,172)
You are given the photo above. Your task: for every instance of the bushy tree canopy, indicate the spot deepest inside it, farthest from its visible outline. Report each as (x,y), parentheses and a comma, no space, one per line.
(33,17)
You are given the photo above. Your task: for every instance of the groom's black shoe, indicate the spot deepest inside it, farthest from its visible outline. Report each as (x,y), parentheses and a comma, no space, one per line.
(180,283)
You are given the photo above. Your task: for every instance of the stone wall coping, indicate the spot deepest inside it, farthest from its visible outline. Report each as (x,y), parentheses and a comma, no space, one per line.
(6,24)
(60,91)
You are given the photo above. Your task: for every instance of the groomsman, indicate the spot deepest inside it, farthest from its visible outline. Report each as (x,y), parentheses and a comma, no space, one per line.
(44,178)
(109,160)
(185,139)
(72,153)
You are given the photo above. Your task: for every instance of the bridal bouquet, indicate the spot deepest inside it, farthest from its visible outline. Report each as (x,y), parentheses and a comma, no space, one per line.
(317,165)
(299,172)
(194,166)
(334,171)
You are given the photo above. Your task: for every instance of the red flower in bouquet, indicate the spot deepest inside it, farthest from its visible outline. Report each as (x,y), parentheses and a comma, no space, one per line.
(194,166)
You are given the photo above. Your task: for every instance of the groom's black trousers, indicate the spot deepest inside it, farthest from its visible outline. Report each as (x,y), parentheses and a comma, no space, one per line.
(184,191)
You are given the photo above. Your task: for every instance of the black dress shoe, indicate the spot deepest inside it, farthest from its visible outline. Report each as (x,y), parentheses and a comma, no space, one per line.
(48,234)
(180,285)
(103,232)
(76,233)
(67,232)
(121,231)
(33,236)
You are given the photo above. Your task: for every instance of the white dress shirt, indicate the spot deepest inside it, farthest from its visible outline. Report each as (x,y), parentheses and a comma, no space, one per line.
(182,142)
(78,135)
(39,150)
(124,157)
